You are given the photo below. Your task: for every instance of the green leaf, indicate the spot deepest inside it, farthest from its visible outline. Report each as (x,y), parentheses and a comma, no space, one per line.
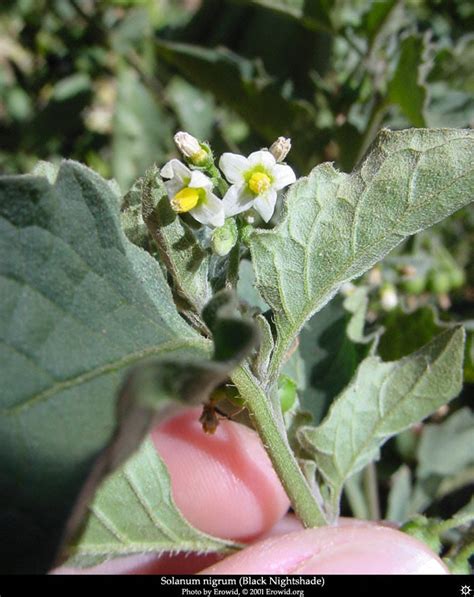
(469,363)
(133,512)
(195,110)
(315,15)
(446,448)
(142,131)
(407,86)
(81,306)
(132,218)
(152,390)
(376,17)
(242,87)
(452,84)
(406,332)
(46,169)
(382,400)
(246,287)
(186,260)
(330,357)
(336,225)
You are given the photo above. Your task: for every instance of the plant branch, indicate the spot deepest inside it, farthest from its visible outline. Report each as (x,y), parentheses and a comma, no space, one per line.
(372,492)
(355,497)
(304,503)
(375,120)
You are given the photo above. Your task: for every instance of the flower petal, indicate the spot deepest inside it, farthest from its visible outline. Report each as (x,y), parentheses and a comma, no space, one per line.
(263,157)
(283,176)
(211,212)
(200,181)
(173,186)
(265,204)
(236,200)
(233,166)
(175,169)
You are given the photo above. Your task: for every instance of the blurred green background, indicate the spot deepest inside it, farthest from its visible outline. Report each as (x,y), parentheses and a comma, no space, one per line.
(109,82)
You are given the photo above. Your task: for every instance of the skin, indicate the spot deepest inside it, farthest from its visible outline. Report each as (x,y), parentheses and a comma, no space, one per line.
(237,495)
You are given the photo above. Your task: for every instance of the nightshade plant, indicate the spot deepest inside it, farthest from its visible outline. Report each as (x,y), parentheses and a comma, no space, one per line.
(117,309)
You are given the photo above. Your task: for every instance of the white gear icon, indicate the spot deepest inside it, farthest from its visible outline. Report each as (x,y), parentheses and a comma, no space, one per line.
(465,590)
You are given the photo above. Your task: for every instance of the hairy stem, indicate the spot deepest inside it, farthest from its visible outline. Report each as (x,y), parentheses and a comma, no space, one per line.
(375,121)
(356,498)
(372,491)
(233,269)
(304,504)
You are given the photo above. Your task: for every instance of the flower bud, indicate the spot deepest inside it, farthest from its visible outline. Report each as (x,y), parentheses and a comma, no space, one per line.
(388,297)
(287,392)
(224,238)
(190,147)
(280,148)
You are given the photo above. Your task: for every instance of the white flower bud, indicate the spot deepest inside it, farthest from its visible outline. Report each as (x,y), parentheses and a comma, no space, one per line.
(280,148)
(189,146)
(388,298)
(347,289)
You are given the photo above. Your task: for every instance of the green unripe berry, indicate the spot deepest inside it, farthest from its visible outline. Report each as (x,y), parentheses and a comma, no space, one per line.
(457,278)
(286,392)
(224,238)
(414,285)
(439,282)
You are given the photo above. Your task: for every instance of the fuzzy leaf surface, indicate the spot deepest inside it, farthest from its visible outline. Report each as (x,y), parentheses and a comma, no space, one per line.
(337,225)
(133,512)
(80,306)
(382,400)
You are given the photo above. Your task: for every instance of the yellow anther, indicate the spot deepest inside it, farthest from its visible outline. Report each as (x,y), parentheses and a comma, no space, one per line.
(185,200)
(259,182)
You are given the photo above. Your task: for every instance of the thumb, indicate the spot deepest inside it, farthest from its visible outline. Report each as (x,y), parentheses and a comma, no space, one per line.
(348,549)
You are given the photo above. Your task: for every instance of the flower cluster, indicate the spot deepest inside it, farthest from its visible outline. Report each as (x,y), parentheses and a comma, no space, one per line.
(254,181)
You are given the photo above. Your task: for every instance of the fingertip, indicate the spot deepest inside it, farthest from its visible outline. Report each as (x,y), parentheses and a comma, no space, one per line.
(224,484)
(347,549)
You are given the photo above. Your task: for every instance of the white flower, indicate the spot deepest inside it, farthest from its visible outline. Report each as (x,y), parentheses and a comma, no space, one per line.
(191,191)
(255,182)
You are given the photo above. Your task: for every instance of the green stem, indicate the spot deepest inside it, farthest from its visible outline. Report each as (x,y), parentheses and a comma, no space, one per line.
(214,173)
(466,552)
(375,120)
(452,523)
(233,269)
(356,498)
(372,491)
(280,453)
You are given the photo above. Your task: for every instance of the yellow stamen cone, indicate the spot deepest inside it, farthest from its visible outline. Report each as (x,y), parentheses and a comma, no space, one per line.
(185,200)
(259,182)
